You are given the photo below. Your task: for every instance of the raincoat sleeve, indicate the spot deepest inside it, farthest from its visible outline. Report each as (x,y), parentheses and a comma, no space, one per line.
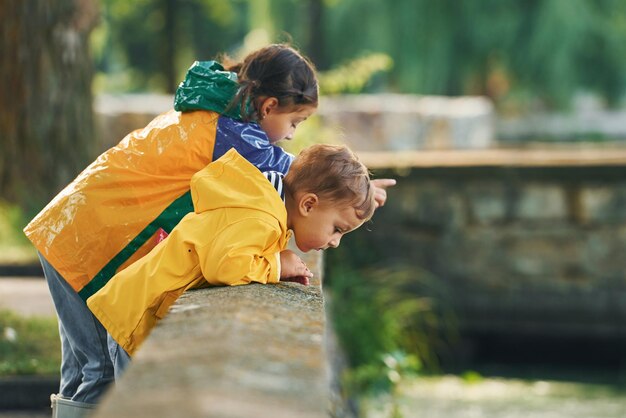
(241,253)
(252,143)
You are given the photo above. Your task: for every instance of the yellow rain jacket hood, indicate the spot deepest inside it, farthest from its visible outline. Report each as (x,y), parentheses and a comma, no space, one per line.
(233,237)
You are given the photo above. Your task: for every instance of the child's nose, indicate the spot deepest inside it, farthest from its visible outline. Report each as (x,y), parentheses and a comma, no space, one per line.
(334,243)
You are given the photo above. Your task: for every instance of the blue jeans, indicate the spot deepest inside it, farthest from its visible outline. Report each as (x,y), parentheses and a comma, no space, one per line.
(119,356)
(86,368)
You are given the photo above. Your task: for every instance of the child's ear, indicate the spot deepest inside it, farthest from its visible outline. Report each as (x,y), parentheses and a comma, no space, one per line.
(308,202)
(268,105)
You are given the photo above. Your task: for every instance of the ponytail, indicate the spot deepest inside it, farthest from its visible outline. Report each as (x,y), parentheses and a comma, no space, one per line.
(274,71)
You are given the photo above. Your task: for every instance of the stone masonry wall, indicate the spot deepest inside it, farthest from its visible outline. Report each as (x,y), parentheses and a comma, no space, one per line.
(237,352)
(523,250)
(400,122)
(522,246)
(389,122)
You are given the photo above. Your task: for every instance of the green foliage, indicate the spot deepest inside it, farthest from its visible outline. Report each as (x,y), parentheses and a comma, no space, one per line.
(499,48)
(472,377)
(385,376)
(28,345)
(130,47)
(353,76)
(14,246)
(390,322)
(309,133)
(505,49)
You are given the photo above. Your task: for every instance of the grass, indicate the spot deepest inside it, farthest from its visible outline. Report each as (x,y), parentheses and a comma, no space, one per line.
(28,345)
(14,246)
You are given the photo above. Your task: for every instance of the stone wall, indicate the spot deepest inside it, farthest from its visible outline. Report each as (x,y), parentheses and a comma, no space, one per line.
(390,122)
(605,125)
(240,352)
(525,239)
(519,249)
(400,122)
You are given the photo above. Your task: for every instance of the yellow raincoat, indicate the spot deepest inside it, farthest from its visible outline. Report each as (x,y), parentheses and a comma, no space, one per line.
(114,212)
(233,237)
(110,215)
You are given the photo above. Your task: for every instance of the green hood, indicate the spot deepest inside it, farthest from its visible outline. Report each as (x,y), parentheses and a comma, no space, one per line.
(207,86)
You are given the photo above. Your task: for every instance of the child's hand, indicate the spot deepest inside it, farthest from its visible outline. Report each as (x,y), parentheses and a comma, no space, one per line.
(293,269)
(380,192)
(298,279)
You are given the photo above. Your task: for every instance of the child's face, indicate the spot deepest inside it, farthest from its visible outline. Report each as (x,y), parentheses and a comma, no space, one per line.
(320,225)
(282,123)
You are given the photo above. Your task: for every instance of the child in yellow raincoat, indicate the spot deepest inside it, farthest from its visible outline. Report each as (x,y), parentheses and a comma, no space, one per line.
(112,213)
(109,216)
(238,234)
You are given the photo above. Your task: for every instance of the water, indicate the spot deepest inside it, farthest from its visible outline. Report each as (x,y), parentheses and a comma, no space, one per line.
(520,378)
(455,397)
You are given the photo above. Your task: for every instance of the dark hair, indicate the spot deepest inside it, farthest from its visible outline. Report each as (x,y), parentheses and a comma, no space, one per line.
(278,71)
(332,172)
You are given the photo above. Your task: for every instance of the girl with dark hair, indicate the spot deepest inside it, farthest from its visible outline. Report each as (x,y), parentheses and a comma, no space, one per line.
(135,193)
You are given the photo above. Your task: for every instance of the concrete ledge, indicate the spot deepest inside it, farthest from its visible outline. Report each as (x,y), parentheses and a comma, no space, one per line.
(562,156)
(245,351)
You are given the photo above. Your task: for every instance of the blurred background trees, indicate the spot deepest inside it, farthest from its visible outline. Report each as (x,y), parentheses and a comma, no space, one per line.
(46,120)
(514,52)
(536,54)
(524,55)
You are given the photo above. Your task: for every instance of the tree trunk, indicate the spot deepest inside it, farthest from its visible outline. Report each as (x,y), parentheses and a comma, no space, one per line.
(46,116)
(170,11)
(315,40)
